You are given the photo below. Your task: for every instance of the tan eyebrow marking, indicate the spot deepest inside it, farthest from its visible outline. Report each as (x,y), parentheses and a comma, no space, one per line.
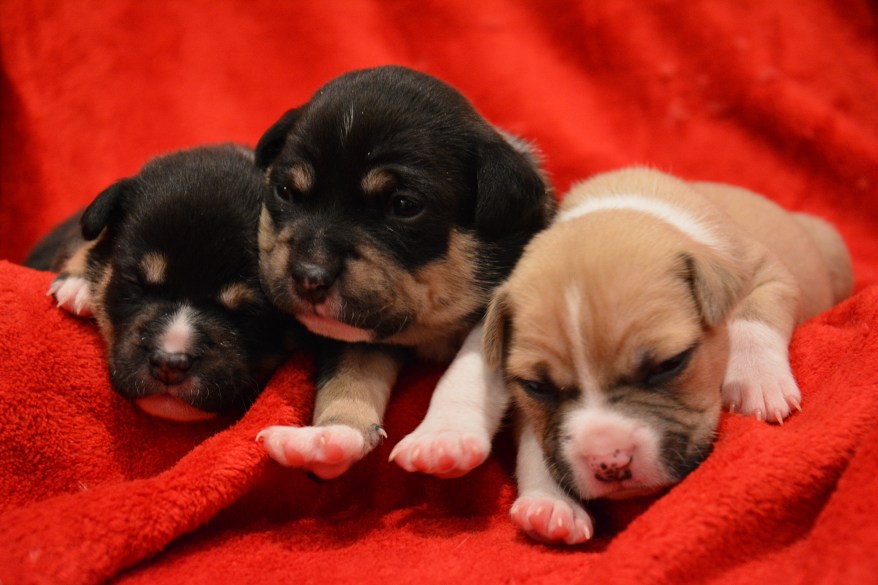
(302,177)
(154,266)
(235,295)
(377,181)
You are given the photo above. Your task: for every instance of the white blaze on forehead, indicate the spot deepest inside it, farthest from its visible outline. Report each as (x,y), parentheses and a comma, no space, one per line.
(177,337)
(678,218)
(575,337)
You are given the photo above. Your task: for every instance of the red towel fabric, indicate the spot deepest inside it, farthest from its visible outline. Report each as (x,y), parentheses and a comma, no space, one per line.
(776,98)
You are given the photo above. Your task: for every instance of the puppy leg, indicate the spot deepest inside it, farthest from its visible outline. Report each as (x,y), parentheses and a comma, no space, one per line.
(465,411)
(543,511)
(347,415)
(71,289)
(758,379)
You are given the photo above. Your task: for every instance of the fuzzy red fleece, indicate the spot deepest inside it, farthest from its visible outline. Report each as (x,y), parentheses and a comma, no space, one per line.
(776,98)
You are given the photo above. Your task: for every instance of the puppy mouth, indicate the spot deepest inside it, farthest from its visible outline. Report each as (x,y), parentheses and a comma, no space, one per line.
(333,328)
(624,490)
(172,408)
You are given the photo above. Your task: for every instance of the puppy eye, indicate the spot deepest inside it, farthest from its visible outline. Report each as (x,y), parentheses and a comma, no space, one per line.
(670,368)
(284,193)
(542,391)
(402,207)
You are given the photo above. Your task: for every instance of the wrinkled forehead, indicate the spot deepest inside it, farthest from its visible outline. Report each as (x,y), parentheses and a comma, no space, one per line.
(580,330)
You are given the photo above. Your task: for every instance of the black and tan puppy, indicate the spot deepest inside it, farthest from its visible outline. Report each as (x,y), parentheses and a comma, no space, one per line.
(395,210)
(166,261)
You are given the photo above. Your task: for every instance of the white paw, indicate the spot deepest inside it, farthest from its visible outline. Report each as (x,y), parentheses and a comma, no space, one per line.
(326,451)
(758,380)
(769,399)
(550,519)
(441,452)
(73,294)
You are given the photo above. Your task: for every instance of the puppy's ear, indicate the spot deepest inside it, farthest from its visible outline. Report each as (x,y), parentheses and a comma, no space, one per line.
(104,210)
(716,286)
(496,332)
(512,195)
(272,142)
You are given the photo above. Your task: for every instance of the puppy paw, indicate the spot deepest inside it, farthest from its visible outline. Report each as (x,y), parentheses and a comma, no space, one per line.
(551,520)
(758,380)
(444,453)
(326,451)
(73,294)
(769,400)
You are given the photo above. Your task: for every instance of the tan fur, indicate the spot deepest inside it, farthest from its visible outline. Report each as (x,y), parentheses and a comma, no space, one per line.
(376,182)
(430,291)
(597,295)
(99,285)
(236,295)
(302,177)
(153,266)
(77,264)
(357,394)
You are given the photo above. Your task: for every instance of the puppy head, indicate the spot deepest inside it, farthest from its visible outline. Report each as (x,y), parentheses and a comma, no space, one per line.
(394,208)
(611,337)
(177,296)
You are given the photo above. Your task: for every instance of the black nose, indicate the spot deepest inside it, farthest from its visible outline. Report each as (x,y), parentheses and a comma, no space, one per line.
(313,281)
(169,368)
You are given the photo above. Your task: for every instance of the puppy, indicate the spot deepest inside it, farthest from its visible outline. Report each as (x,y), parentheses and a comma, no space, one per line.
(648,304)
(167,263)
(395,210)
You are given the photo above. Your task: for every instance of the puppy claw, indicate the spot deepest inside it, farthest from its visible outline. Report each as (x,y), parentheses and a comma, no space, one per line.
(778,417)
(53,288)
(794,402)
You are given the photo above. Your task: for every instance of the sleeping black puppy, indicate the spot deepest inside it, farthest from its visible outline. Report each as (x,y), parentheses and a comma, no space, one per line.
(395,210)
(166,262)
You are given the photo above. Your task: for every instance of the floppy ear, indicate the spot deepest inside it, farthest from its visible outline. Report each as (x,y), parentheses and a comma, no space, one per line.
(716,286)
(512,196)
(272,142)
(105,209)
(495,334)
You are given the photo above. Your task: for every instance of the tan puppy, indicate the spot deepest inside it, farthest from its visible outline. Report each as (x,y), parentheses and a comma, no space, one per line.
(645,307)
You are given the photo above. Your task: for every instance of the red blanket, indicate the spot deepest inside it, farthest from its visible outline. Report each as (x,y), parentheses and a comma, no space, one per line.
(774,97)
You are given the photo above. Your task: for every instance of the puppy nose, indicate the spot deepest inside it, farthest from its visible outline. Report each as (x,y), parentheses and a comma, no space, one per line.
(169,368)
(313,281)
(612,466)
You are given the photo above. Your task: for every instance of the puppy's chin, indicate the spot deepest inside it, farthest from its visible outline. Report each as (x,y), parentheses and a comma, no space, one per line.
(329,327)
(171,408)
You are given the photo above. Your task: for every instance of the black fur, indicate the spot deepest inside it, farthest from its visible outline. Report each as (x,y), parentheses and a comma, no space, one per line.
(443,156)
(200,210)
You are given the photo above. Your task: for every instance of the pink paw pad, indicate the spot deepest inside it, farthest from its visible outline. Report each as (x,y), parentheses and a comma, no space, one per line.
(552,520)
(326,451)
(445,454)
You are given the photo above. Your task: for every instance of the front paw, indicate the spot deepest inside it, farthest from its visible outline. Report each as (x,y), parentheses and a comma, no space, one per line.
(550,519)
(326,451)
(758,380)
(770,399)
(73,294)
(444,453)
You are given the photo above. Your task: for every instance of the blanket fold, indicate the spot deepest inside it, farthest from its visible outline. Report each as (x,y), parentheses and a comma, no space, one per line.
(92,490)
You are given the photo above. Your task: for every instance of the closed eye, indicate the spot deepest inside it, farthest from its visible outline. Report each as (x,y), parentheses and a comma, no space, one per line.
(666,370)
(539,390)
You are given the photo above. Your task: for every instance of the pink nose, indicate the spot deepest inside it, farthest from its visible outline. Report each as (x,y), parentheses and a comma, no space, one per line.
(614,466)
